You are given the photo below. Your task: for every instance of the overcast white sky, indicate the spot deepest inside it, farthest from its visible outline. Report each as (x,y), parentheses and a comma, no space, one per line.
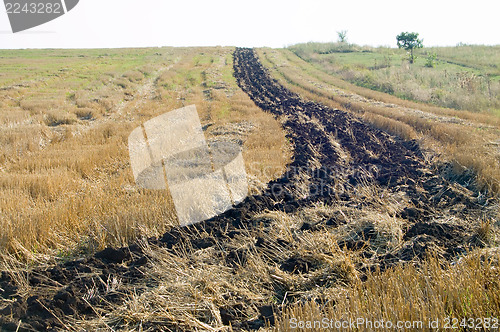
(138,23)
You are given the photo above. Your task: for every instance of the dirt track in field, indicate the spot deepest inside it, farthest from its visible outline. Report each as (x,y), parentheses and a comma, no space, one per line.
(335,156)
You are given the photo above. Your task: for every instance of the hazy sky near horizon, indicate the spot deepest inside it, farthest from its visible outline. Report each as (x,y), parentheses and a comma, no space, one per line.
(134,23)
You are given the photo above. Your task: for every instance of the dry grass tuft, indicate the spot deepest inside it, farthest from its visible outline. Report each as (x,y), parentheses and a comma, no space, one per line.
(411,295)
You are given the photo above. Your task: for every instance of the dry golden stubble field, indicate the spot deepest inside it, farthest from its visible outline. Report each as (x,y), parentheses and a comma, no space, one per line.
(317,261)
(66,186)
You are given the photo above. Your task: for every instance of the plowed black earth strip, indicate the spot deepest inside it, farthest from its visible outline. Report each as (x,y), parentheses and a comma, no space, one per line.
(334,149)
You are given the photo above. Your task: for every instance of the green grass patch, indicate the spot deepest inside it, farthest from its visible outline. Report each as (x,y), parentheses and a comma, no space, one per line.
(462,77)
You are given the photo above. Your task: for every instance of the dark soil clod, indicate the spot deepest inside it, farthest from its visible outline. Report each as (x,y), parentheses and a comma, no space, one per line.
(267,313)
(203,243)
(297,264)
(113,255)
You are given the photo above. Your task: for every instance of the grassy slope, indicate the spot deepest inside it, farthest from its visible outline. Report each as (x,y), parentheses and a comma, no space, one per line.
(463,77)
